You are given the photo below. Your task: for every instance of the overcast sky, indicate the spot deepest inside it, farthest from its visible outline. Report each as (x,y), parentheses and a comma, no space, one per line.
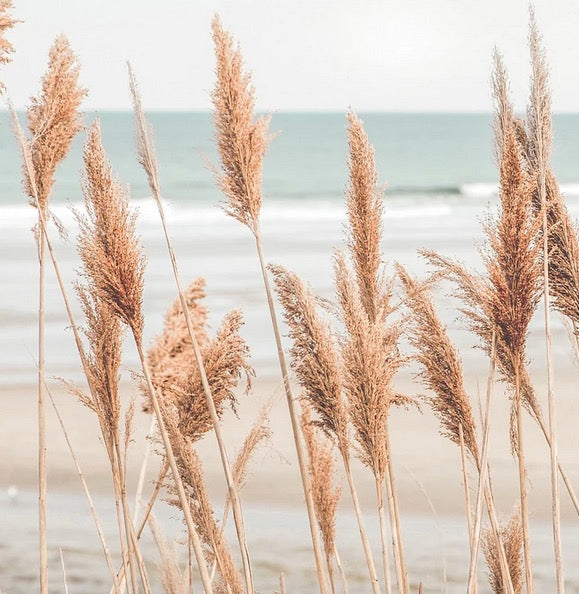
(392,55)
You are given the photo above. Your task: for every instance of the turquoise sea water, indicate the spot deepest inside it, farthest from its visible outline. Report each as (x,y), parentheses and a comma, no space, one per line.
(415,153)
(438,169)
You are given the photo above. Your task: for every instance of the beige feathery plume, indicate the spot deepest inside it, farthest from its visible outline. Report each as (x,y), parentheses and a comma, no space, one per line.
(563,243)
(512,539)
(369,349)
(178,382)
(314,356)
(441,366)
(110,250)
(513,263)
(260,432)
(477,310)
(104,335)
(322,473)
(53,119)
(6,22)
(242,140)
(508,297)
(364,206)
(371,358)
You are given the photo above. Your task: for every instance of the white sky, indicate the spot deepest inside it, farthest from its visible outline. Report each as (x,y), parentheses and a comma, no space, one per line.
(404,55)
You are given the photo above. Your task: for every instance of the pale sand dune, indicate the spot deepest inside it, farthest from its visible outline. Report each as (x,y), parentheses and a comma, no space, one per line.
(420,453)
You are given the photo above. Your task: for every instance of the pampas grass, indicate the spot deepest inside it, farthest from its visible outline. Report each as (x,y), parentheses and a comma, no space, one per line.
(242,142)
(538,151)
(511,536)
(345,354)
(53,121)
(113,259)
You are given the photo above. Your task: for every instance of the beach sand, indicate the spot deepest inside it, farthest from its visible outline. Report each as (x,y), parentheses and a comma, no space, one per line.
(425,462)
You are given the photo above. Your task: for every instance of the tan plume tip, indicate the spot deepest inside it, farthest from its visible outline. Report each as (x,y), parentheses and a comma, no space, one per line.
(145,143)
(314,355)
(109,248)
(511,536)
(441,366)
(242,141)
(53,118)
(260,432)
(364,206)
(539,110)
(6,23)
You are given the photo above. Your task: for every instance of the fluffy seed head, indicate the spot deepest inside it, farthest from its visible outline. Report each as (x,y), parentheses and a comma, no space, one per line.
(512,538)
(242,140)
(322,473)
(314,355)
(370,358)
(6,22)
(176,375)
(364,206)
(441,366)
(109,248)
(53,118)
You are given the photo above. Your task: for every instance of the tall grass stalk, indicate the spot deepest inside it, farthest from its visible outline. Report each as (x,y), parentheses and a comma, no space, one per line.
(53,122)
(242,144)
(315,359)
(540,131)
(148,160)
(88,495)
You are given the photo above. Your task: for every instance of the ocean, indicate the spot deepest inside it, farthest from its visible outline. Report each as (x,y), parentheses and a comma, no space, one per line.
(440,180)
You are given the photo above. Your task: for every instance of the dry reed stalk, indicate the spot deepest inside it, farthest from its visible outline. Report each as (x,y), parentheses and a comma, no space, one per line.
(505,301)
(148,161)
(471,291)
(104,333)
(364,208)
(322,475)
(182,398)
(512,538)
(472,577)
(30,177)
(441,372)
(514,272)
(191,474)
(53,121)
(538,150)
(468,506)
(113,259)
(142,473)
(242,143)
(86,490)
(173,581)
(64,580)
(343,578)
(315,360)
(502,304)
